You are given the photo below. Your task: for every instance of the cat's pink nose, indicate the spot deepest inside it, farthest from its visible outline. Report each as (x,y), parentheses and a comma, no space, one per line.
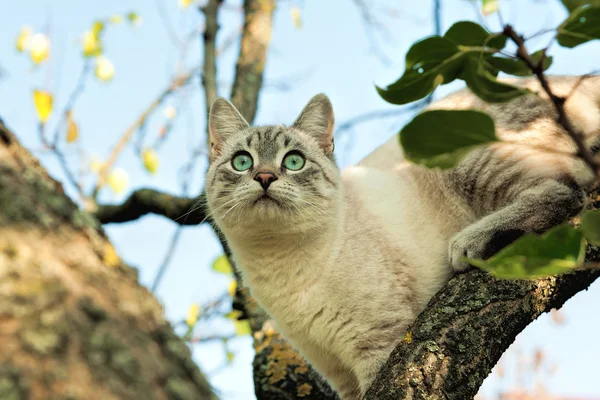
(265,179)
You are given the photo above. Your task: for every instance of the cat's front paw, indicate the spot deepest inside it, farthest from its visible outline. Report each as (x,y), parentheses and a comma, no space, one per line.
(466,244)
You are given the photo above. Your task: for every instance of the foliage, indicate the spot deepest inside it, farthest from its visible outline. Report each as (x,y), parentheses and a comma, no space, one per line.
(440,139)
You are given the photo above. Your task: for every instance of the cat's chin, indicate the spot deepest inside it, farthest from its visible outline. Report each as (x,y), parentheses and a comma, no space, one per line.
(266,201)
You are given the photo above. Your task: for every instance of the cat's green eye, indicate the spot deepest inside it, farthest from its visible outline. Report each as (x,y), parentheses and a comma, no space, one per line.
(294,161)
(242,161)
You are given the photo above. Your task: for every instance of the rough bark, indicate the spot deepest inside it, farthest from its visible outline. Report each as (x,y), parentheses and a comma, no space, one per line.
(209,69)
(453,345)
(74,321)
(253,54)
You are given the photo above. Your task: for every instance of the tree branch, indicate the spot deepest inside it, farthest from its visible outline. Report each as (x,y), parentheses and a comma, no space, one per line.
(209,76)
(557,102)
(453,345)
(177,82)
(253,53)
(182,210)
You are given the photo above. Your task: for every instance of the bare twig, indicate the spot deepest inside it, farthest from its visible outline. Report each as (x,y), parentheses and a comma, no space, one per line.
(166,22)
(372,25)
(167,258)
(178,82)
(209,76)
(376,115)
(212,338)
(558,102)
(437,18)
(73,97)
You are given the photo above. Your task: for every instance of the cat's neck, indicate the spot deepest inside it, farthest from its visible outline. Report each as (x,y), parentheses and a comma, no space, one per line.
(287,249)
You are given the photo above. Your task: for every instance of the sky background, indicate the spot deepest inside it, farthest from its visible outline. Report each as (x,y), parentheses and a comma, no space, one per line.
(333,52)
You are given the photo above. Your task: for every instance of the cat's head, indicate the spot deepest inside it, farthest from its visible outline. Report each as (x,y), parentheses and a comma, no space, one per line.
(272,176)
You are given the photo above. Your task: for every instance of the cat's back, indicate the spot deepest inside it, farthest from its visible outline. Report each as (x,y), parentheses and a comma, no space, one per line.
(406,214)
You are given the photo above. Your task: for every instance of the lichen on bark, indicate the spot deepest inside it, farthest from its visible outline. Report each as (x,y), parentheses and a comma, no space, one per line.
(73,324)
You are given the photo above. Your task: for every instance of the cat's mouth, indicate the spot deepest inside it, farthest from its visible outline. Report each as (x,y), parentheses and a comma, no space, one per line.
(265,199)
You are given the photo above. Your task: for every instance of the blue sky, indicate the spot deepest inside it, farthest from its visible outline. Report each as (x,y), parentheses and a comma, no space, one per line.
(331,53)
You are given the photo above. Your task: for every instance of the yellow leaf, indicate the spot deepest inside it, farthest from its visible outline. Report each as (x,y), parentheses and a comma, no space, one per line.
(118,180)
(96,163)
(185,3)
(72,129)
(233,315)
(296,17)
(105,70)
(232,288)
(135,19)
(151,161)
(39,47)
(242,328)
(407,337)
(116,19)
(43,104)
(24,38)
(192,315)
(91,44)
(110,258)
(97,28)
(489,7)
(230,357)
(222,265)
(170,112)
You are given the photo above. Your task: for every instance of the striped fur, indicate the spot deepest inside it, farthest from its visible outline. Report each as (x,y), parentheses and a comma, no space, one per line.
(343,261)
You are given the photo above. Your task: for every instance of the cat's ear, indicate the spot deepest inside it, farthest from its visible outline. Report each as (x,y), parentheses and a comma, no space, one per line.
(223,121)
(316,119)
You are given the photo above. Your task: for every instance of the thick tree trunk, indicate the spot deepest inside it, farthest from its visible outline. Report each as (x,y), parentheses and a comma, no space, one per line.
(74,321)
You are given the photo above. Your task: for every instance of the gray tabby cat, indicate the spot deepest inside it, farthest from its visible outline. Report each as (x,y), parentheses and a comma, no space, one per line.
(344,261)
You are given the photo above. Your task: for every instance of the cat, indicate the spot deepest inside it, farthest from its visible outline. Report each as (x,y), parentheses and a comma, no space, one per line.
(344,261)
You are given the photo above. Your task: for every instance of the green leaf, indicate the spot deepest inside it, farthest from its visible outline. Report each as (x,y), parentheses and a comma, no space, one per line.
(590,226)
(532,256)
(222,265)
(485,85)
(441,138)
(517,67)
(489,7)
(230,356)
(573,4)
(134,18)
(429,63)
(580,27)
(467,33)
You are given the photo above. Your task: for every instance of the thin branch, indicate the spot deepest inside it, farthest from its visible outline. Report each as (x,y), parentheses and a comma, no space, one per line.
(372,25)
(215,338)
(376,115)
(166,22)
(177,83)
(209,76)
(250,67)
(167,258)
(437,18)
(73,97)
(557,101)
(183,210)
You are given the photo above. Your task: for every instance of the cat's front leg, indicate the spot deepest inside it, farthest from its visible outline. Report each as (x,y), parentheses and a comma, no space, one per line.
(534,210)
